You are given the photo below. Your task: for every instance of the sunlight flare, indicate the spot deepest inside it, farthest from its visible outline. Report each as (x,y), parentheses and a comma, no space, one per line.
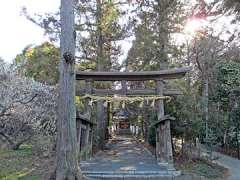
(193,26)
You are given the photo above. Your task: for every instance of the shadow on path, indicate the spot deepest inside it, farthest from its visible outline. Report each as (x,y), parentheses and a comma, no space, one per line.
(123,154)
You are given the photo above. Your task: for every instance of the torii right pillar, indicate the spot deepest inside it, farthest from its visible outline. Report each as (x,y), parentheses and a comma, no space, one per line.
(163,132)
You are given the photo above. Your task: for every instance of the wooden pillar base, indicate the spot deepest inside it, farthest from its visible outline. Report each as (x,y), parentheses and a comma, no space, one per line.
(163,143)
(163,133)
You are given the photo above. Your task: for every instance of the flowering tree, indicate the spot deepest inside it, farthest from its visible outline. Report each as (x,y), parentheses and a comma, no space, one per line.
(26,107)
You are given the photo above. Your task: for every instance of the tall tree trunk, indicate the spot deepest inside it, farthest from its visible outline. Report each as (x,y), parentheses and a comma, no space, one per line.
(206,109)
(101,118)
(163,33)
(67,162)
(204,69)
(235,120)
(100,53)
(188,64)
(237,141)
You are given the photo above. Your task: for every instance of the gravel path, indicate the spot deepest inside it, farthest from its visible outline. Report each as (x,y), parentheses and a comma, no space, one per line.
(122,154)
(232,164)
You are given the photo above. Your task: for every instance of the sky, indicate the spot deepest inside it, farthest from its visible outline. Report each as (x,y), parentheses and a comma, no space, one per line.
(16,32)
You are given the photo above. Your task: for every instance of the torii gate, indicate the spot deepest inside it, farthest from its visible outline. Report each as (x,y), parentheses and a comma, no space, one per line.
(163,134)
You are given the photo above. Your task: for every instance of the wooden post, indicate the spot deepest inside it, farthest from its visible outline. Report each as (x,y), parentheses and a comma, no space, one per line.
(146,122)
(89,86)
(101,122)
(168,143)
(124,87)
(163,132)
(66,155)
(86,140)
(88,91)
(91,141)
(79,136)
(160,114)
(108,120)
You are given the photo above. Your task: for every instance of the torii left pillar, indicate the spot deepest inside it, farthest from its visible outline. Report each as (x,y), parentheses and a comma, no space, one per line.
(163,132)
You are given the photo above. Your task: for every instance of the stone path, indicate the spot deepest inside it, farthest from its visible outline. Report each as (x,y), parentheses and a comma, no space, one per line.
(123,154)
(232,164)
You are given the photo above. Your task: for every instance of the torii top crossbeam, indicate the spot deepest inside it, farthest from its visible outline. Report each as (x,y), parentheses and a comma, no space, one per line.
(133,76)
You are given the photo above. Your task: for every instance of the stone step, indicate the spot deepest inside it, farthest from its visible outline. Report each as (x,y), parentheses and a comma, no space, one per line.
(132,175)
(149,177)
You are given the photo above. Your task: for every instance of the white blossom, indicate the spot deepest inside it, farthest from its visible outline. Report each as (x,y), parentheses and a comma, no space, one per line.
(26,106)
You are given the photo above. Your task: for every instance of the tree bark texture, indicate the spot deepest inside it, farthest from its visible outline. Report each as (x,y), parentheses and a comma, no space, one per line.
(101,117)
(67,162)
(205,97)
(163,33)
(100,53)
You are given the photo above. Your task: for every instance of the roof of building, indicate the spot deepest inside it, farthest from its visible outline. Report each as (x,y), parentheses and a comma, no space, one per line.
(121,114)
